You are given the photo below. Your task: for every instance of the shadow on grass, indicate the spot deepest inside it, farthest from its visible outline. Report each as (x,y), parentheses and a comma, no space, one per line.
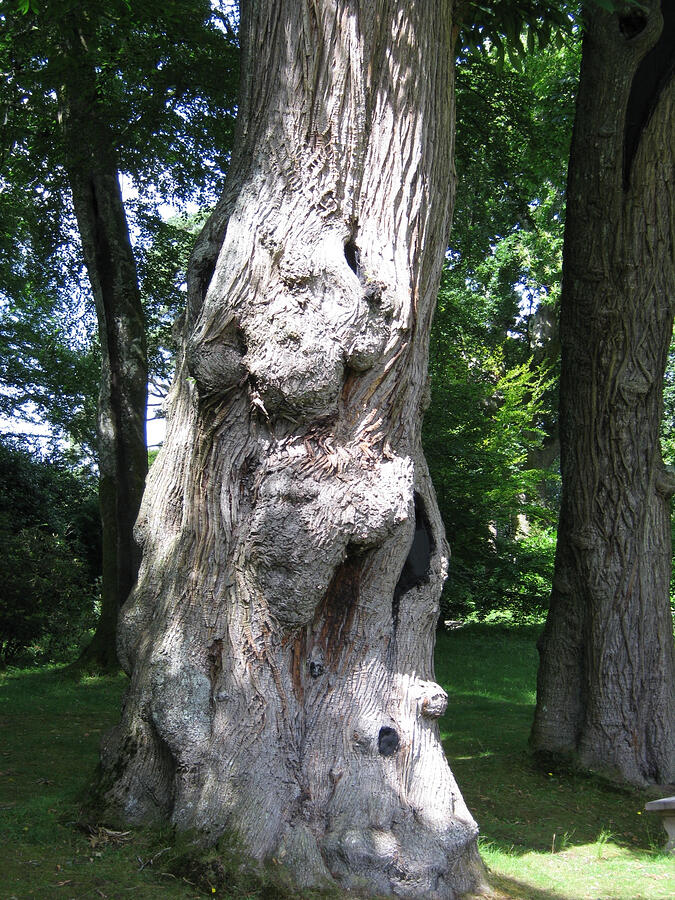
(55,725)
(489,672)
(58,689)
(513,889)
(520,806)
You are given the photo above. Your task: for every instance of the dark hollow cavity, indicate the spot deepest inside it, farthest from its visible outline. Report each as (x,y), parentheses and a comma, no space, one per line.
(388,741)
(651,77)
(353,257)
(632,24)
(416,568)
(316,669)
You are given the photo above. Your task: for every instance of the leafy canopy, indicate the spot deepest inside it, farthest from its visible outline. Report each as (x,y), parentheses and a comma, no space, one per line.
(166,91)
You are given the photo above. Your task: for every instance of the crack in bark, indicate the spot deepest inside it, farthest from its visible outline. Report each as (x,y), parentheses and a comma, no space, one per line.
(353,257)
(338,608)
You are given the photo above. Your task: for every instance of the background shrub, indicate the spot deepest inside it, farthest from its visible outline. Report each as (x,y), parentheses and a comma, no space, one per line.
(50,560)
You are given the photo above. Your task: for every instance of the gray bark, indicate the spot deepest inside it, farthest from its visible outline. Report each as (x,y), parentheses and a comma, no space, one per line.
(606,679)
(280,639)
(108,255)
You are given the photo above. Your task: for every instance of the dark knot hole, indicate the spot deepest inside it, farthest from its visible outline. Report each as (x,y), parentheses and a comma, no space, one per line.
(353,257)
(388,741)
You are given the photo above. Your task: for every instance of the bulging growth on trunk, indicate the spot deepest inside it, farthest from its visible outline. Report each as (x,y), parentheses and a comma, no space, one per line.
(280,637)
(606,681)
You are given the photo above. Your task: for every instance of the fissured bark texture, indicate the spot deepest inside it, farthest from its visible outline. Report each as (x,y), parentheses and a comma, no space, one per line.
(605,690)
(280,637)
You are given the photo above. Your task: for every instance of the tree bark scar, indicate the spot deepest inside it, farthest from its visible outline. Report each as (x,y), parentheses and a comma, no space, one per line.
(338,608)
(651,77)
(351,378)
(214,659)
(417,567)
(247,474)
(299,653)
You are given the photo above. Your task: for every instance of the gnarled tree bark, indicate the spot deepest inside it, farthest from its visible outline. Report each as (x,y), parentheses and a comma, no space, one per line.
(605,688)
(280,637)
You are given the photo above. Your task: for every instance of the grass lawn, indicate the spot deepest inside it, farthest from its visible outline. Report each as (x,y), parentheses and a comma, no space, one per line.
(544,837)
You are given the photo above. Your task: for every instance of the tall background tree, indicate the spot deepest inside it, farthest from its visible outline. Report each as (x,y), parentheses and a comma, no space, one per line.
(90,161)
(606,679)
(91,92)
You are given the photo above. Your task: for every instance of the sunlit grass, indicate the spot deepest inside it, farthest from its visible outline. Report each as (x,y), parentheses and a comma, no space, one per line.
(595,871)
(543,836)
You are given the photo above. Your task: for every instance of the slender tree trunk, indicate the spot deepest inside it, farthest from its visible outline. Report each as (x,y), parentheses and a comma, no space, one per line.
(605,687)
(280,637)
(122,448)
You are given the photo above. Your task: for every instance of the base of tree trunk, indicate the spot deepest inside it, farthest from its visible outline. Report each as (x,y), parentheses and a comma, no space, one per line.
(573,762)
(223,871)
(99,656)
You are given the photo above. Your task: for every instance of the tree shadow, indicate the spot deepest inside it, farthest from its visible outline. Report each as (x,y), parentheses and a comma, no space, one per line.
(522,807)
(513,889)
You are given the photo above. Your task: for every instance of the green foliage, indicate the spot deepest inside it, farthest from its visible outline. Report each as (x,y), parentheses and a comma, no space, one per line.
(167,78)
(49,363)
(490,433)
(167,75)
(483,423)
(163,251)
(513,135)
(512,29)
(515,580)
(668,420)
(48,603)
(50,534)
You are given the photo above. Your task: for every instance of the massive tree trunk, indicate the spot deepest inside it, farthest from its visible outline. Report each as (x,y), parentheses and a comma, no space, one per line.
(605,687)
(280,637)
(109,259)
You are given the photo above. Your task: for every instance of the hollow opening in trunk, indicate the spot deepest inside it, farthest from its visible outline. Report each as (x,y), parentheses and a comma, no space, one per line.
(632,24)
(353,257)
(654,71)
(417,565)
(388,741)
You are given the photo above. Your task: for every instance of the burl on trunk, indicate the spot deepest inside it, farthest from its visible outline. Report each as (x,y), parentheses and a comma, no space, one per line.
(280,637)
